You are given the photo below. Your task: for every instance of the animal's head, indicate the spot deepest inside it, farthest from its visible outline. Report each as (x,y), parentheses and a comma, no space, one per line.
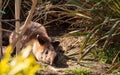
(44,50)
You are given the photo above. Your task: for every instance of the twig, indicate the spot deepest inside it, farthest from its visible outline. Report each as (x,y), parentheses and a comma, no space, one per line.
(115,57)
(6,30)
(1,52)
(10,20)
(17,23)
(6,4)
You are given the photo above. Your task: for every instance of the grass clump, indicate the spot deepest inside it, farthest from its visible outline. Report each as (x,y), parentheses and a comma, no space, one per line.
(79,71)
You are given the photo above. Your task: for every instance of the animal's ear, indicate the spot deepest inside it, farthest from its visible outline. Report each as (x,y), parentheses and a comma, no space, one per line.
(55,44)
(41,41)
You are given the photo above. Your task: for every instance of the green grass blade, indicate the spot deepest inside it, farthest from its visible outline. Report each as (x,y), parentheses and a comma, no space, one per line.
(88,50)
(91,35)
(110,33)
(93,32)
(113,67)
(76,2)
(74,13)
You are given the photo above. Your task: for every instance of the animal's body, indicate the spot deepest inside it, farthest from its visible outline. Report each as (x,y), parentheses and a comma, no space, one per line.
(36,35)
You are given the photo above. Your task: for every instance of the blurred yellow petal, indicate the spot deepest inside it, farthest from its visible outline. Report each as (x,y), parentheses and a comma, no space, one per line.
(26,51)
(8,52)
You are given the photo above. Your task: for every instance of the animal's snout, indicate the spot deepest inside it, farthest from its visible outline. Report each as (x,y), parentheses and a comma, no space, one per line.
(47,56)
(51,57)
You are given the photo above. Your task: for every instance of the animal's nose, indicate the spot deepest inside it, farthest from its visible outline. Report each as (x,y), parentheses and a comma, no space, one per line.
(46,52)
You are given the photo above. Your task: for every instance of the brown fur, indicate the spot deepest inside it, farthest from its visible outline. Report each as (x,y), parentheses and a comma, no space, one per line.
(36,35)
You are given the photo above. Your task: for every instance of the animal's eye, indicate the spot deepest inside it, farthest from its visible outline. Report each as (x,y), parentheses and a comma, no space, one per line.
(46,52)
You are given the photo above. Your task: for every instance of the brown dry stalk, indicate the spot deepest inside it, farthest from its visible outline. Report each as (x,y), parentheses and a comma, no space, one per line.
(17,23)
(27,21)
(1,52)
